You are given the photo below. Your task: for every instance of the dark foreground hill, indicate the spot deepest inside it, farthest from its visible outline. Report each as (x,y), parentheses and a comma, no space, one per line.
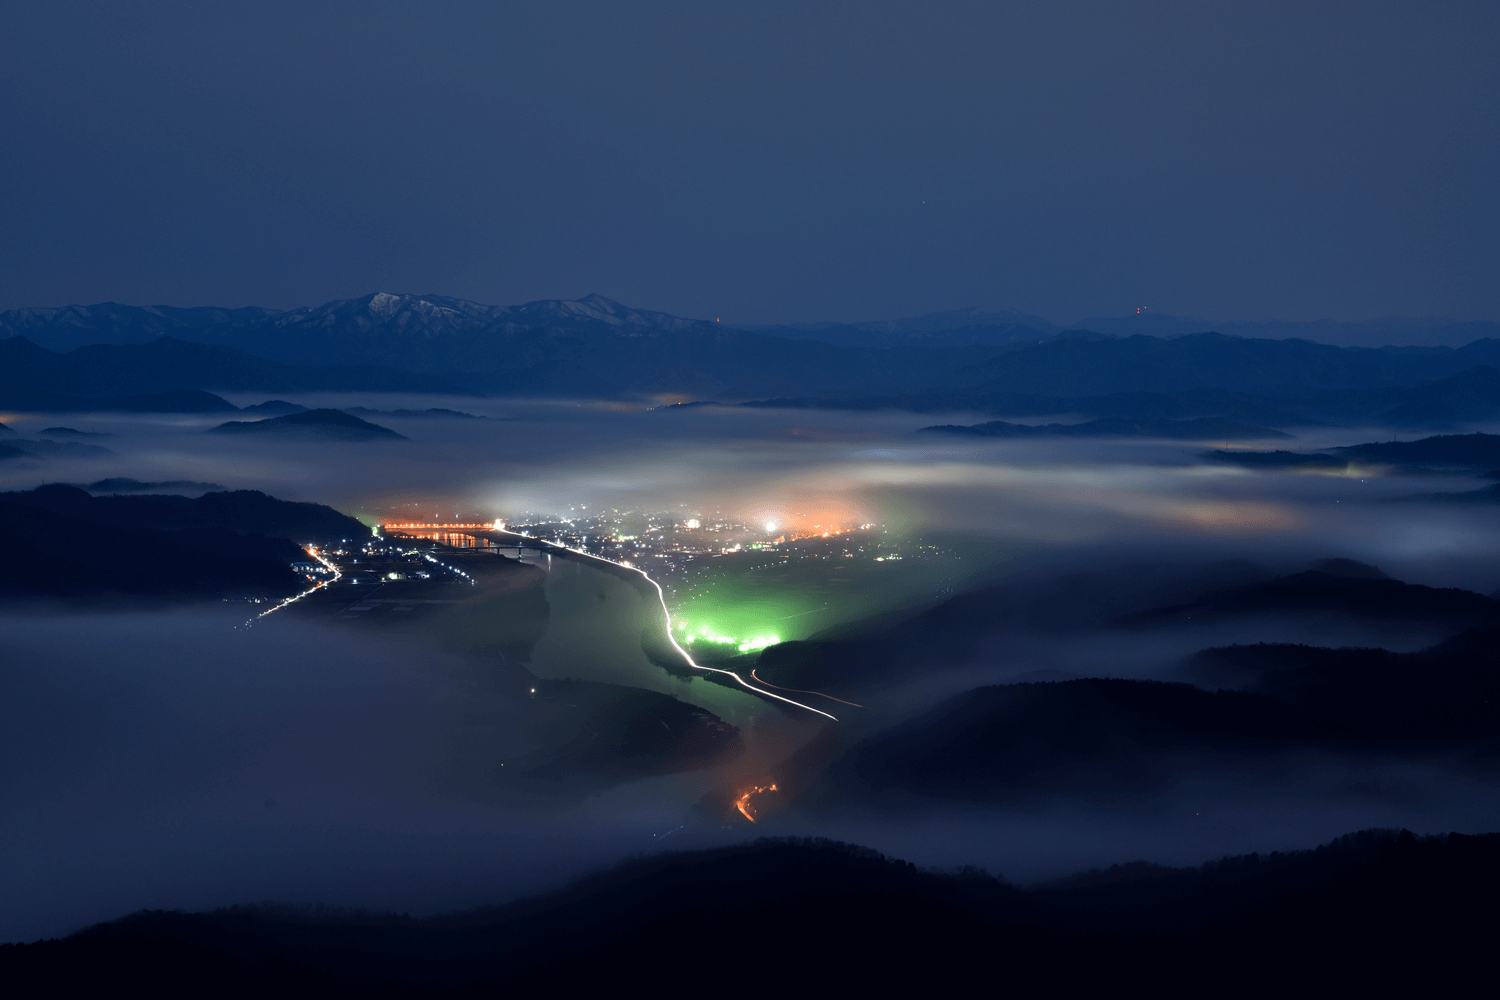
(241,511)
(60,541)
(334,425)
(1095,739)
(1377,908)
(1104,740)
(1447,693)
(51,555)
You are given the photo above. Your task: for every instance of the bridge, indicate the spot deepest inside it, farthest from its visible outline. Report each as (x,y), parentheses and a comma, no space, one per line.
(485,536)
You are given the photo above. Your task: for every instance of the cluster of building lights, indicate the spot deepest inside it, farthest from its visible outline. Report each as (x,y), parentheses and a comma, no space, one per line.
(704,634)
(451,569)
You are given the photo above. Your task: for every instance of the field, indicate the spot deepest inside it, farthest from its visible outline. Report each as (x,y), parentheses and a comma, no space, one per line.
(749,600)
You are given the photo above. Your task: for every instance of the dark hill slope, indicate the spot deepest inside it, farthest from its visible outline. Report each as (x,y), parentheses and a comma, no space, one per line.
(1448,692)
(1324,594)
(1375,908)
(1452,451)
(1473,451)
(50,555)
(1106,739)
(1095,738)
(964,627)
(242,511)
(120,484)
(1469,395)
(326,424)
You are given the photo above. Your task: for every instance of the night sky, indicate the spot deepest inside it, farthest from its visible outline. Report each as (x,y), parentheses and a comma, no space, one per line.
(758,162)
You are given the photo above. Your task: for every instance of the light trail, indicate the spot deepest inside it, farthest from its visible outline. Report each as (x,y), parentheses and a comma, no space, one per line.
(788,617)
(662,597)
(743,802)
(337,576)
(820,694)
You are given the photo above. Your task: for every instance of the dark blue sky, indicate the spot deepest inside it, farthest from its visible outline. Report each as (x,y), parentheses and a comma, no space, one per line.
(761,162)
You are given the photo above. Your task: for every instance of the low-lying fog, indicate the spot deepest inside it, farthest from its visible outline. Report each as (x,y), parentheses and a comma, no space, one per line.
(803,465)
(169,759)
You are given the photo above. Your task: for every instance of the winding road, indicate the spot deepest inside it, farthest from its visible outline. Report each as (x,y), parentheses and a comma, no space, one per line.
(543,545)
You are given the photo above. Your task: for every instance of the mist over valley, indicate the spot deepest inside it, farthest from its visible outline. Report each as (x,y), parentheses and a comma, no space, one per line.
(826,499)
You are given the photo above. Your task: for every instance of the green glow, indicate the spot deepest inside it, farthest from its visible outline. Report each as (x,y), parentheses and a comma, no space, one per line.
(743,603)
(707,634)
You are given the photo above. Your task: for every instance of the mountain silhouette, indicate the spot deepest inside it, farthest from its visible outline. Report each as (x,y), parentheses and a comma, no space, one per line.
(334,425)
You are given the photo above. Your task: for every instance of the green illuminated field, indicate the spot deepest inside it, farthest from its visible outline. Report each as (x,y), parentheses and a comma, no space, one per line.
(751,600)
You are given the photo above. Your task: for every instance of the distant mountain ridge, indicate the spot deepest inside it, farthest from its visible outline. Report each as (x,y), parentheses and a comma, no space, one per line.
(587,347)
(598,347)
(977,326)
(439,317)
(953,328)
(1395,332)
(1471,394)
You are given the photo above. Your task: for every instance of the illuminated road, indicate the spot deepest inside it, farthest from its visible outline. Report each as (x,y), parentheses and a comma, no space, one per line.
(820,694)
(743,802)
(545,545)
(337,576)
